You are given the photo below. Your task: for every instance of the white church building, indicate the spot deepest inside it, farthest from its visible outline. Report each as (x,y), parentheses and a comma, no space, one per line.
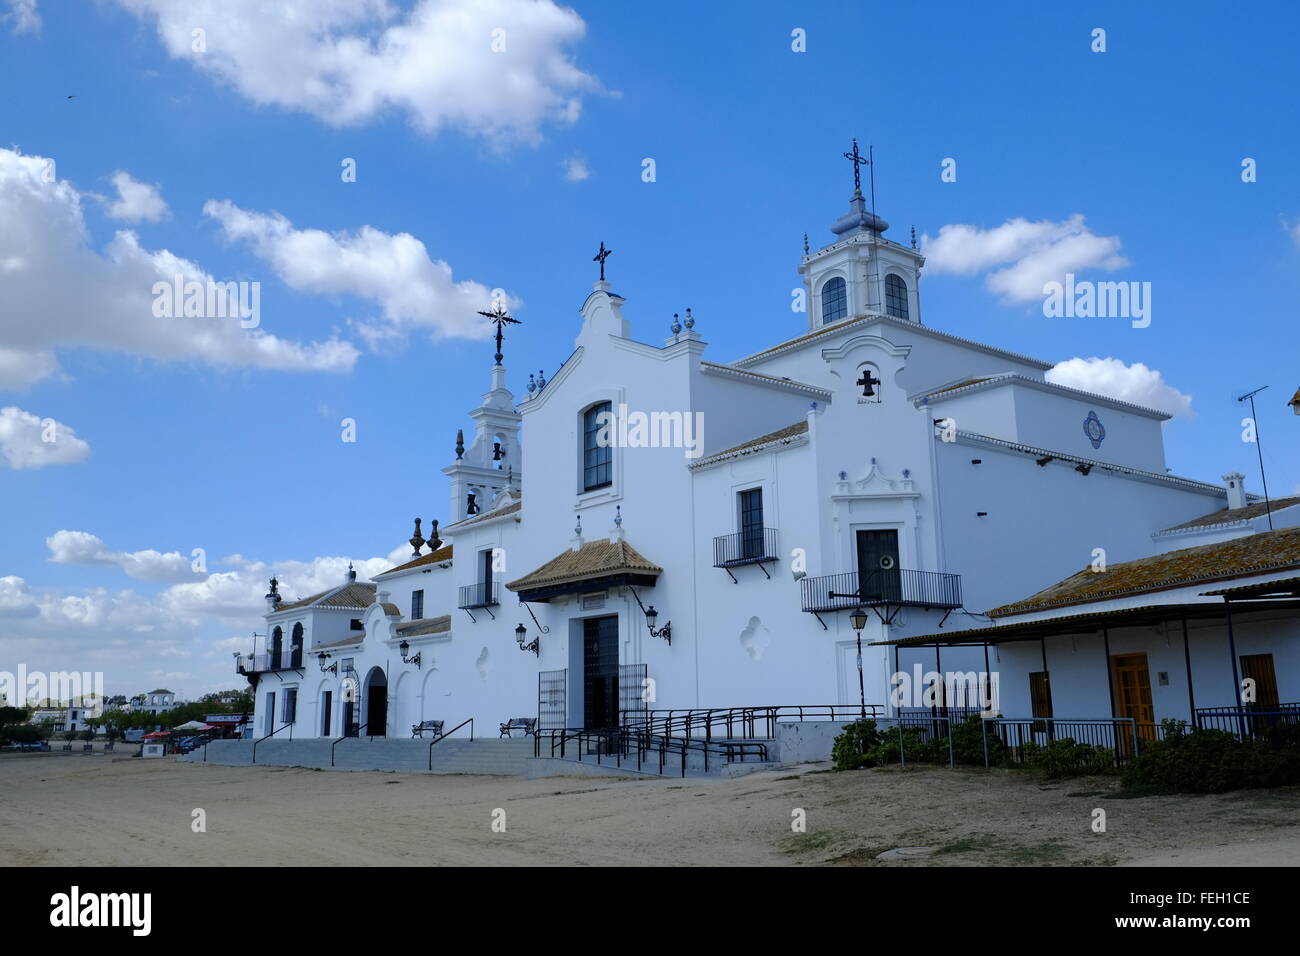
(657,527)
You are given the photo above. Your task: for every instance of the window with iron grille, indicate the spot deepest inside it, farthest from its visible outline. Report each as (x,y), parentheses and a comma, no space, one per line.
(597,458)
(417,605)
(895,296)
(835,300)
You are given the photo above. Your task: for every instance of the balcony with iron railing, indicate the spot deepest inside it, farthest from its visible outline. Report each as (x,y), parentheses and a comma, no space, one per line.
(483,594)
(287,658)
(895,587)
(745,547)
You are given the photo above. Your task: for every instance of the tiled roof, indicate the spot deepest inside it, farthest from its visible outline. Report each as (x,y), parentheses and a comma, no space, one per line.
(433,557)
(1229,515)
(355,595)
(595,559)
(780,435)
(1252,554)
(431,625)
(355,638)
(160,690)
(956,385)
(1279,586)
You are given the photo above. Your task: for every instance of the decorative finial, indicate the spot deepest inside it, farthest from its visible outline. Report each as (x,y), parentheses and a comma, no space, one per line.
(532,383)
(805,243)
(435,542)
(676,326)
(600,257)
(541,380)
(460,444)
(352,574)
(416,540)
(690,319)
(618,516)
(858,162)
(499,316)
(578,528)
(273,595)
(914,237)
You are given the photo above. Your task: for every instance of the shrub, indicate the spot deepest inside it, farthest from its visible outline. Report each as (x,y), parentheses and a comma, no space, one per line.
(1066,757)
(1213,761)
(851,748)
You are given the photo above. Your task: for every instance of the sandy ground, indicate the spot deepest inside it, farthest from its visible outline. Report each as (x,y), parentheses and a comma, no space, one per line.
(114,810)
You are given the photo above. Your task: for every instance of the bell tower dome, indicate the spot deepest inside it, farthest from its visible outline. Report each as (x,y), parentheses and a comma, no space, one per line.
(861,272)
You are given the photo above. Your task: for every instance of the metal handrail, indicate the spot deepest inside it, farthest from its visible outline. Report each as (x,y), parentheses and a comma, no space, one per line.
(902,586)
(268,737)
(745,547)
(448,734)
(345,737)
(693,720)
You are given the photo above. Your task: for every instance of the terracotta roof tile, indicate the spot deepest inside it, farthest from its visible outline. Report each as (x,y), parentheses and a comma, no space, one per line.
(1229,515)
(433,557)
(1272,550)
(431,625)
(790,431)
(357,595)
(594,559)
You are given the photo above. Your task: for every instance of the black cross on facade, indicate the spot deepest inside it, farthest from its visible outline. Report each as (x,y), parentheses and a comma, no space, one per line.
(858,162)
(501,318)
(600,257)
(868,383)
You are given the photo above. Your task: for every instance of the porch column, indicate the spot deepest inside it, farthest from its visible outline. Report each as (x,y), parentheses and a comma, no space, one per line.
(1191,694)
(1110,678)
(1238,703)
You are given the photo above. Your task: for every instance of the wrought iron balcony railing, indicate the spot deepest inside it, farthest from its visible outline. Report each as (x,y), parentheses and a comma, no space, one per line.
(897,587)
(483,594)
(744,547)
(289,658)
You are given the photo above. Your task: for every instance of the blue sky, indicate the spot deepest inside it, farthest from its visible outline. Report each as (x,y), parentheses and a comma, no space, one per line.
(478,155)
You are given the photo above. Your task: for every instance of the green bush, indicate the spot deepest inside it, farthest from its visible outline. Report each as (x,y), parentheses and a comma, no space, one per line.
(1066,757)
(1213,761)
(851,748)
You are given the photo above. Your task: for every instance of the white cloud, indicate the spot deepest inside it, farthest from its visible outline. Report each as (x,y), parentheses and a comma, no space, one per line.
(28,441)
(136,201)
(59,292)
(576,169)
(82,547)
(349,61)
(22,15)
(16,599)
(1029,254)
(394,271)
(1129,383)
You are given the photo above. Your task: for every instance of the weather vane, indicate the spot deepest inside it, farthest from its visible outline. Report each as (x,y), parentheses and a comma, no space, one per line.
(500,318)
(600,257)
(858,163)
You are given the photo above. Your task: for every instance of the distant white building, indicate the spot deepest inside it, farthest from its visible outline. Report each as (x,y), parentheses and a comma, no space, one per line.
(157,701)
(653,529)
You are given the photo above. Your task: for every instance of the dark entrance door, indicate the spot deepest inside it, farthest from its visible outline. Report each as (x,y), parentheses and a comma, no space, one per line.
(600,672)
(376,703)
(878,575)
(327,707)
(349,719)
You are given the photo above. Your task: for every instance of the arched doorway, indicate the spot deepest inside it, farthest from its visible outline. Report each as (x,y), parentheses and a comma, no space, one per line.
(376,703)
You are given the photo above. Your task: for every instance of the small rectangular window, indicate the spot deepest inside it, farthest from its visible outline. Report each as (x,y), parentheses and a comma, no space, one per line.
(417,605)
(290,705)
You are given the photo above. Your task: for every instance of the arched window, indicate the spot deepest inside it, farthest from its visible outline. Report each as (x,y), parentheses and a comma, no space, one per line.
(597,453)
(277,643)
(295,647)
(835,300)
(895,296)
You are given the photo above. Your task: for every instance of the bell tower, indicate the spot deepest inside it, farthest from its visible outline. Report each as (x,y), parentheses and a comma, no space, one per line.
(861,272)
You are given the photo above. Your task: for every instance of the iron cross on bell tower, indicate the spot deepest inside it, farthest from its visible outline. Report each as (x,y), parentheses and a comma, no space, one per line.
(600,257)
(868,383)
(858,161)
(501,318)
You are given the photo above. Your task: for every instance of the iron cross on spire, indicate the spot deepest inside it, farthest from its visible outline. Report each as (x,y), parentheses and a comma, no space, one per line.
(500,318)
(600,257)
(858,162)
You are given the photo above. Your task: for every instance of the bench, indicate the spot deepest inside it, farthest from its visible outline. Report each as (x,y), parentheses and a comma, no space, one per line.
(108,746)
(432,726)
(527,724)
(67,748)
(87,748)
